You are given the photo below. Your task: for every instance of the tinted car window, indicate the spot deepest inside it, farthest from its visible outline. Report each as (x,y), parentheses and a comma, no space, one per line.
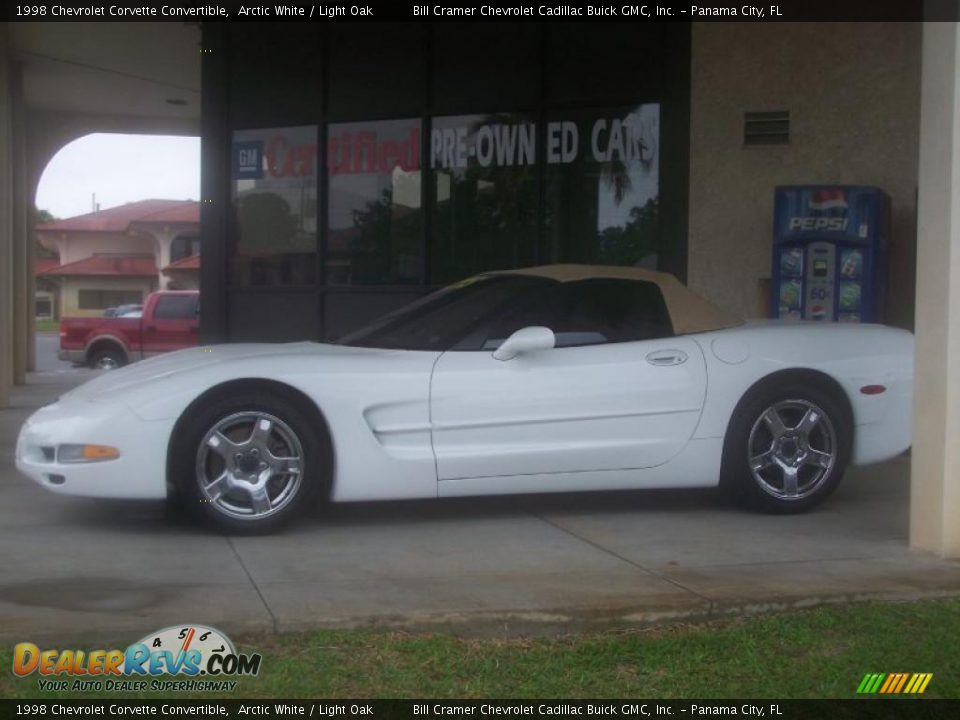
(176,307)
(616,310)
(590,312)
(455,317)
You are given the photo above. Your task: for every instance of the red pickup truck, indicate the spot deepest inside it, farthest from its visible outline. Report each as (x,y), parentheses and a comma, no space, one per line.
(170,321)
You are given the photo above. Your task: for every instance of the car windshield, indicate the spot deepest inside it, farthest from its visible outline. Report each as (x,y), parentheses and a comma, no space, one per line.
(442,319)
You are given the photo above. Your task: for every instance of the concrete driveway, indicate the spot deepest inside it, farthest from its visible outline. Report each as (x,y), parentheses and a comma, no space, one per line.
(47,347)
(81,569)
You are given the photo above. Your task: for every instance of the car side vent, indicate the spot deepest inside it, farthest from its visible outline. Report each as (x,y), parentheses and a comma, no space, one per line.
(766,128)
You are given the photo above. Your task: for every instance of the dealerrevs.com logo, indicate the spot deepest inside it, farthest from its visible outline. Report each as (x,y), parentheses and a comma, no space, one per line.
(206,656)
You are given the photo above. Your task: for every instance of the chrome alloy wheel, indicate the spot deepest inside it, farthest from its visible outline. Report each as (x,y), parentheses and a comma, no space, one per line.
(250,465)
(107,362)
(792,449)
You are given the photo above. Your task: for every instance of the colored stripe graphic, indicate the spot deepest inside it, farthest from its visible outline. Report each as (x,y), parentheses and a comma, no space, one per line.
(912,683)
(894,683)
(903,680)
(886,683)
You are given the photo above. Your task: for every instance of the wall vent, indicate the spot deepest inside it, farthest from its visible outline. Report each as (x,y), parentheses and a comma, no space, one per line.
(766,128)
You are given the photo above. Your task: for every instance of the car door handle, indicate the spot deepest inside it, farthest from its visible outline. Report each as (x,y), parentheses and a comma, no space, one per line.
(667,357)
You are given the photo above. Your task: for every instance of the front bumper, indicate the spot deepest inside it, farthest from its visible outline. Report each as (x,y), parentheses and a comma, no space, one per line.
(139,472)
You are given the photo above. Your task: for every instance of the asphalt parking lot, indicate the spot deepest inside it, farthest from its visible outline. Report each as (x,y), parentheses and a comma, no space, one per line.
(77,568)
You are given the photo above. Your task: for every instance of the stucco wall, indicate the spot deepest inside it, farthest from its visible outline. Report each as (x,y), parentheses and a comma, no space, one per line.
(80,245)
(853,92)
(69,298)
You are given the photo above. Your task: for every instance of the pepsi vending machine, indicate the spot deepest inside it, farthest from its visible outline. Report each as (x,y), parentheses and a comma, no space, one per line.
(829,244)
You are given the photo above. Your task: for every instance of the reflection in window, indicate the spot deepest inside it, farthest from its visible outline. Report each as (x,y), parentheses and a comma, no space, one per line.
(275,205)
(375,219)
(602,193)
(485,217)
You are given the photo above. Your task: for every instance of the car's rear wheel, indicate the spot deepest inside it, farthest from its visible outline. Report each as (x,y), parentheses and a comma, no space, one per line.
(787,447)
(247,463)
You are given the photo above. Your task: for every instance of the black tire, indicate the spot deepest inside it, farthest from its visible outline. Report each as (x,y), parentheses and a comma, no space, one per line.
(107,359)
(757,463)
(293,432)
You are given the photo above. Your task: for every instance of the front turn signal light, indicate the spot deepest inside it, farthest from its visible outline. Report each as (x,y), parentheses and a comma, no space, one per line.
(86,453)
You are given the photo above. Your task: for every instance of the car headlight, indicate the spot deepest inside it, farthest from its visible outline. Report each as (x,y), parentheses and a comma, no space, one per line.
(86,453)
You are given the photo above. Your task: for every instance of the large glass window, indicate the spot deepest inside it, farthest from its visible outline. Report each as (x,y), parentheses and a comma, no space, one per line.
(375,218)
(275,206)
(485,212)
(603,186)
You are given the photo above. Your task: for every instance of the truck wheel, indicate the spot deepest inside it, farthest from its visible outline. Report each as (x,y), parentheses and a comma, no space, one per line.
(108,359)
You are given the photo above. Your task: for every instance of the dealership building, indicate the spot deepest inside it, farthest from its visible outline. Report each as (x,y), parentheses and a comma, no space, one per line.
(348,168)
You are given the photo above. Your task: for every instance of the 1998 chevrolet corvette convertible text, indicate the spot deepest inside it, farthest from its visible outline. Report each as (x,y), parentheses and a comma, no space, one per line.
(556,378)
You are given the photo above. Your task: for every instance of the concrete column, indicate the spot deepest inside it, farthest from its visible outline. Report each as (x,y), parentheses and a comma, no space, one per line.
(31,298)
(22,252)
(6,225)
(935,463)
(164,241)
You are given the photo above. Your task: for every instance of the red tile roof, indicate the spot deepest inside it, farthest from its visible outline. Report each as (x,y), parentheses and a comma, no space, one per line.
(191,262)
(120,218)
(116,265)
(42,265)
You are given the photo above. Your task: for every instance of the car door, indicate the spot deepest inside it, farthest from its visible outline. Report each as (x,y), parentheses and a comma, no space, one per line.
(173,325)
(618,392)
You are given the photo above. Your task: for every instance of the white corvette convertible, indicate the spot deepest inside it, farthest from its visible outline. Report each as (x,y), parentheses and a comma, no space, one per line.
(558,378)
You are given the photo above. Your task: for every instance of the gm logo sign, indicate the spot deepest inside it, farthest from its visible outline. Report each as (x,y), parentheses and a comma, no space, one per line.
(248,160)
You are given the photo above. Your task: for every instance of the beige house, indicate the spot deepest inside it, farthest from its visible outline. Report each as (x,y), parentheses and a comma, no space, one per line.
(113,257)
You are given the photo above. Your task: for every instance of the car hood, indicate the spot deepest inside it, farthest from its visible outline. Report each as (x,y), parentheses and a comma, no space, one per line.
(138,374)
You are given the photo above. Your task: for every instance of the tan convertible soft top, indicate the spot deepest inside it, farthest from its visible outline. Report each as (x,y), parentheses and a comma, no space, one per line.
(689,312)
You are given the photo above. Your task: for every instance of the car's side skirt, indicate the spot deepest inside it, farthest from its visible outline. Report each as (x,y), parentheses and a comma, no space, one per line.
(697,465)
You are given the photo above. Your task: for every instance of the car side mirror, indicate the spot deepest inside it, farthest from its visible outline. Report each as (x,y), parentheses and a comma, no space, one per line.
(525,340)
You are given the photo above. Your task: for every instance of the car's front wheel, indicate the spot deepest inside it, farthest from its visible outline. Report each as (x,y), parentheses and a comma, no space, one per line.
(787,447)
(247,463)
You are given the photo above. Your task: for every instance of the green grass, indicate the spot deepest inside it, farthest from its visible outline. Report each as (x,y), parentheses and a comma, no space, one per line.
(48,325)
(804,654)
